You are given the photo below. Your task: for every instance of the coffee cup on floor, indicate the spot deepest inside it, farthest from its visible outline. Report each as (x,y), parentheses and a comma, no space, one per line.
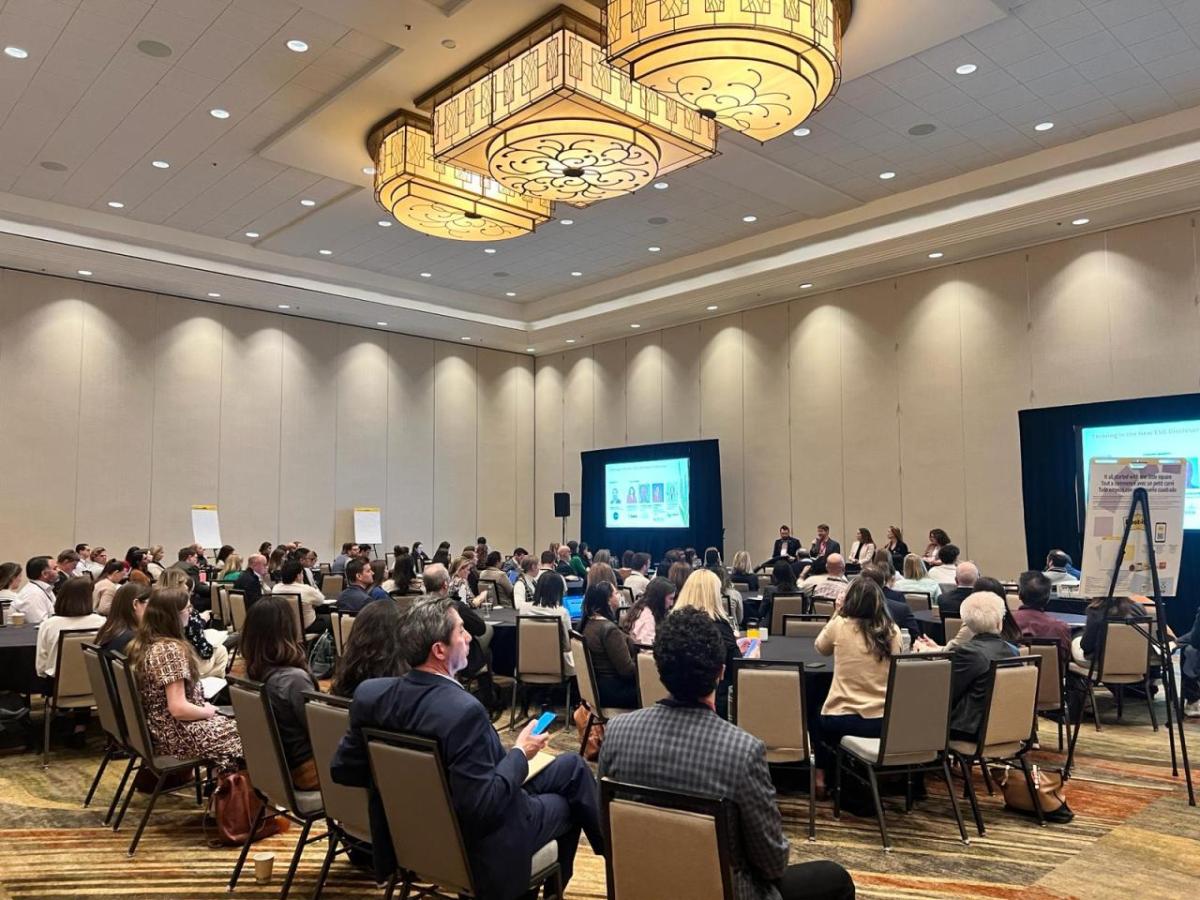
(263,864)
(17,619)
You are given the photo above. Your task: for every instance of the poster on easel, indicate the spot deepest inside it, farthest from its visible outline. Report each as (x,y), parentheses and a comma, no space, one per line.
(368,525)
(206,526)
(1111,484)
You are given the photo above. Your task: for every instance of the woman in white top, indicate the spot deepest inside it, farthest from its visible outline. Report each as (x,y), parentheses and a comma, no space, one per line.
(547,601)
(72,610)
(154,563)
(916,579)
(292,585)
(110,579)
(649,610)
(11,577)
(862,549)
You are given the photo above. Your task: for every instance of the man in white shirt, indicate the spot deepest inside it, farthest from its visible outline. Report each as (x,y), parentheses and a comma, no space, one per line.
(546,564)
(87,562)
(36,599)
(639,577)
(945,571)
(1058,569)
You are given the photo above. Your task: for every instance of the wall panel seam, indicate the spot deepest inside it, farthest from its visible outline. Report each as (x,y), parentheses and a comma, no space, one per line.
(79,417)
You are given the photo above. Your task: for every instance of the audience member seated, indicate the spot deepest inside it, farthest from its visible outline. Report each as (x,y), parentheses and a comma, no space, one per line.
(1059,569)
(1009,630)
(1032,618)
(72,610)
(181,722)
(86,566)
(731,597)
(603,556)
(36,599)
(372,649)
(703,592)
(947,560)
(678,574)
(937,540)
(983,613)
(208,643)
(504,819)
(478,665)
(548,601)
(11,577)
(349,551)
(648,611)
(231,569)
(965,576)
(404,580)
(420,557)
(1096,614)
(106,585)
(722,761)
(895,604)
(862,551)
(442,554)
(139,568)
(360,587)
(525,587)
(578,559)
(916,580)
(188,561)
(223,554)
(639,578)
(743,571)
(833,585)
(895,546)
(276,658)
(862,638)
(1189,669)
(784,583)
(67,561)
(291,585)
(599,572)
(611,649)
(128,604)
(460,583)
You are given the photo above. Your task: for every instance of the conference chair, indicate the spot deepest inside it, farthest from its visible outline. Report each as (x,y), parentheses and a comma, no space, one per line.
(539,659)
(1052,691)
(585,676)
(650,686)
(110,722)
(341,623)
(785,605)
(1007,732)
(403,600)
(626,596)
(410,775)
(808,626)
(769,703)
(824,608)
(1122,657)
(237,610)
(951,626)
(296,607)
(918,601)
(272,778)
(71,688)
(689,856)
(1012,600)
(915,732)
(159,766)
(214,599)
(347,816)
(331,585)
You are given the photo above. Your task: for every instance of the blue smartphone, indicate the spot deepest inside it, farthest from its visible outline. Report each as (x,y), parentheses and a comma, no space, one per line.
(544,722)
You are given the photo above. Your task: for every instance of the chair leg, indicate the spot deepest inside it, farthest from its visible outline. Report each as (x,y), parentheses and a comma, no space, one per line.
(137,835)
(112,807)
(391,888)
(887,847)
(1033,794)
(962,830)
(330,852)
(291,872)
(974,801)
(108,754)
(237,869)
(1062,719)
(1150,705)
(1095,710)
(199,797)
(47,718)
(1120,701)
(908,795)
(837,785)
(987,779)
(124,806)
(812,800)
(512,710)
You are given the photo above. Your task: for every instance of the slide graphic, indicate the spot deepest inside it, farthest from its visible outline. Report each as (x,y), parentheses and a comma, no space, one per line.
(1159,439)
(656,493)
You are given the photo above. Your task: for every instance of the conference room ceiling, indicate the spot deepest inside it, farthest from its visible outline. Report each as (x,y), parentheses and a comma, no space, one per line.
(110,87)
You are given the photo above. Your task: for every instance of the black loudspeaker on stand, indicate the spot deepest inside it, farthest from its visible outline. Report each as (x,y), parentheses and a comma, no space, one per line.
(562,509)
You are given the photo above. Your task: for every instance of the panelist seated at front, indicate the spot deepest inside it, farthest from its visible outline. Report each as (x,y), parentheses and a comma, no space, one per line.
(820,551)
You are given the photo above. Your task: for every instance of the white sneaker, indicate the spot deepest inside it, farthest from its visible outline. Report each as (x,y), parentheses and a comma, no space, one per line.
(1192,710)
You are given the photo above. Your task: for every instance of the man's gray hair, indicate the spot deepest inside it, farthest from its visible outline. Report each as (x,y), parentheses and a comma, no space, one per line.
(983,613)
(966,573)
(435,578)
(425,623)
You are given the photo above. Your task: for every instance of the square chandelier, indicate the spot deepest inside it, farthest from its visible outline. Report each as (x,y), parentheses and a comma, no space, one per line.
(548,118)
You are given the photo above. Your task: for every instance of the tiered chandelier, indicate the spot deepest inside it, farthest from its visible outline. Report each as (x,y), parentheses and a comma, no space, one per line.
(571,113)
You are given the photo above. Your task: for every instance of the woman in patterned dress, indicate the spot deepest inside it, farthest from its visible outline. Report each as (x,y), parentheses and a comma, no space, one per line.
(181,722)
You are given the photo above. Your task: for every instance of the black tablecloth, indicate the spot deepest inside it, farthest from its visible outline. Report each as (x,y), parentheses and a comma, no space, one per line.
(18,650)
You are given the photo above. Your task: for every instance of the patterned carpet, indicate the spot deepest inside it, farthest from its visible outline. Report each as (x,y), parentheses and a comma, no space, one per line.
(1133,836)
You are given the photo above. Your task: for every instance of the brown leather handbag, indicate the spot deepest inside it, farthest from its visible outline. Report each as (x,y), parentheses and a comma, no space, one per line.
(234,807)
(1049,786)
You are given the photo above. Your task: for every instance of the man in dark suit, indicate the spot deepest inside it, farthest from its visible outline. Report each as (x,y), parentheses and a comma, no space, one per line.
(504,820)
(965,576)
(647,747)
(822,548)
(897,606)
(436,581)
(787,546)
(250,582)
(983,613)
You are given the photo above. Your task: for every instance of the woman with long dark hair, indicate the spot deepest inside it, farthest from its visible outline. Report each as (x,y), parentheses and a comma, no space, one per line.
(548,601)
(862,549)
(649,610)
(937,540)
(442,554)
(784,582)
(124,615)
(612,650)
(275,657)
(373,649)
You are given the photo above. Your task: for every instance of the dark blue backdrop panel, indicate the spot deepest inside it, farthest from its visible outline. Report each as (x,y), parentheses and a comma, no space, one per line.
(706,518)
(1052,482)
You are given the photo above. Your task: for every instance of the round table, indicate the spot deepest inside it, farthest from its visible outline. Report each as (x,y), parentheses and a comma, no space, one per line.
(18,650)
(931,622)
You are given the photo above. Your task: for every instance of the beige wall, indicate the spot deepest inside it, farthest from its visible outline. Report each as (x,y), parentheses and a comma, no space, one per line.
(122,409)
(888,403)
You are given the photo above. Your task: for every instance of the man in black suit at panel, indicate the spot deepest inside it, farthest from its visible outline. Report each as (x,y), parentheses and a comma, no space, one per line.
(821,549)
(786,547)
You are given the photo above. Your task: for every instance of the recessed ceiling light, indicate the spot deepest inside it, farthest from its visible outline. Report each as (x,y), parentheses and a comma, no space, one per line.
(297,46)
(489,249)
(449,43)
(966,69)
(426,274)
(634,325)
(936,254)
(116,204)
(566,221)
(654,249)
(16,52)
(922,128)
(219,113)
(464,339)
(381,324)
(1080,221)
(661,185)
(802,132)
(570,340)
(307,202)
(161,164)
(52,166)
(887,176)
(529,350)
(384,223)
(510,293)
(156,49)
(325,252)
(576,274)
(251,234)
(214,295)
(749,219)
(368,170)
(283,306)
(83,272)
(806,286)
(1043,126)
(711,308)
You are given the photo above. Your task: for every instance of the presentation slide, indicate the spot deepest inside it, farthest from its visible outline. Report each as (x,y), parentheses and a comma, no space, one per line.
(1173,439)
(650,494)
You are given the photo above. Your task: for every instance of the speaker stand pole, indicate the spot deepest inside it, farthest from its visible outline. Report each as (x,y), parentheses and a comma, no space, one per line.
(564,528)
